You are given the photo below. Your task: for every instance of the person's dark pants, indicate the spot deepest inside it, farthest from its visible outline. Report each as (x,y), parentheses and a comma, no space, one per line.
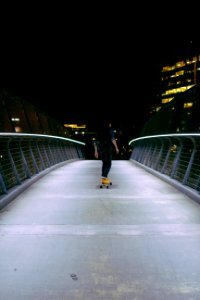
(106,157)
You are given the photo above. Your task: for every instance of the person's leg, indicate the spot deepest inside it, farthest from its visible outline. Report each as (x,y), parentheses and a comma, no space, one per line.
(104,167)
(106,164)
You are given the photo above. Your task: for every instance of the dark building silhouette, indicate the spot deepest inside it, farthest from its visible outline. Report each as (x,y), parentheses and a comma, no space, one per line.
(18,115)
(180,115)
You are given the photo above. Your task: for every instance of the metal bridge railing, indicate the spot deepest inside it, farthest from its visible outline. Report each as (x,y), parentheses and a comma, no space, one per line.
(24,155)
(174,155)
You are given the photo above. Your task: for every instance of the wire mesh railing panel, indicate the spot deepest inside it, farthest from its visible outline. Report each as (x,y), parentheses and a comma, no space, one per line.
(44,153)
(184,159)
(26,150)
(175,155)
(25,155)
(193,179)
(17,160)
(6,166)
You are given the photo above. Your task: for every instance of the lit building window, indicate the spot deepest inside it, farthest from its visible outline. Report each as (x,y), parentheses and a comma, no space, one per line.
(188,105)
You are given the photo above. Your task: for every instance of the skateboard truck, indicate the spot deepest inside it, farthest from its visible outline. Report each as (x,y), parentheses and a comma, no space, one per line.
(105,183)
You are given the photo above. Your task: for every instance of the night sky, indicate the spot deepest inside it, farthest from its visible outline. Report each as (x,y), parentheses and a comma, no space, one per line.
(78,67)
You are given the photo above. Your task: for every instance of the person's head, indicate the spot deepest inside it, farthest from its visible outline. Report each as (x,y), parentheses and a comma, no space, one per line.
(107,120)
(104,124)
(103,121)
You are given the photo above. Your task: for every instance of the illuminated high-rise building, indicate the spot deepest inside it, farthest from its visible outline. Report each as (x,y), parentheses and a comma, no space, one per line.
(179,77)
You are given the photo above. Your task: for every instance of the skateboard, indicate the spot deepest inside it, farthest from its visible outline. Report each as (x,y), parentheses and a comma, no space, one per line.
(105,185)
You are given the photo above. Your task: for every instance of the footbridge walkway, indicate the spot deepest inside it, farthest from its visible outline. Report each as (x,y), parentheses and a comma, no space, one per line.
(63,237)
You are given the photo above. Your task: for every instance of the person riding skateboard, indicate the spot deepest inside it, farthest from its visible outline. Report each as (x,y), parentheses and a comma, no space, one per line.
(103,146)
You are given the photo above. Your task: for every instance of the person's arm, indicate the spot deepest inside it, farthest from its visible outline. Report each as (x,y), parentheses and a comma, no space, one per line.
(115,145)
(114,141)
(96,153)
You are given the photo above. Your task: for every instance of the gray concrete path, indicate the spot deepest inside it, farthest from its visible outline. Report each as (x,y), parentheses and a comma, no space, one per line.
(65,238)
